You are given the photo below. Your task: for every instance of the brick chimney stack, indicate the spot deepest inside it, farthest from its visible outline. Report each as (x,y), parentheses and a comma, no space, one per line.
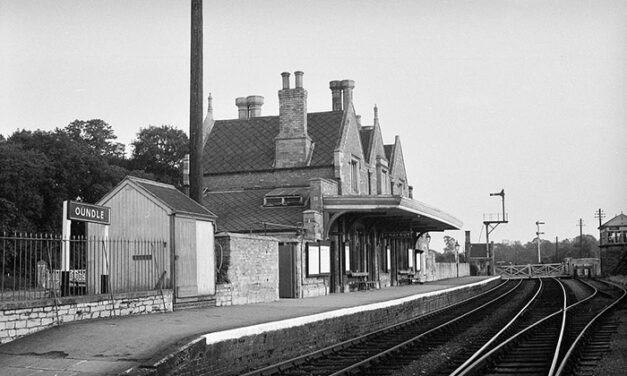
(254,103)
(249,107)
(242,108)
(293,144)
(347,92)
(336,95)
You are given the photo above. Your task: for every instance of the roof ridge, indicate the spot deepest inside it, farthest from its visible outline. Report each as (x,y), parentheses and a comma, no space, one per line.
(151,182)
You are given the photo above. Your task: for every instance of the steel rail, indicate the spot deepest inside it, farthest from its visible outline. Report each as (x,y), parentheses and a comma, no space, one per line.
(482,349)
(284,365)
(561,336)
(577,340)
(487,355)
(497,335)
(418,337)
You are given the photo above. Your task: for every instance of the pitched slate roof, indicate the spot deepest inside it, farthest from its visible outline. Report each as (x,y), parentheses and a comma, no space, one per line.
(241,145)
(366,135)
(243,210)
(389,152)
(619,220)
(172,197)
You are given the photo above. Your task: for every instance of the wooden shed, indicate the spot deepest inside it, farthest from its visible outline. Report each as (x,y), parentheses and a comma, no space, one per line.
(150,215)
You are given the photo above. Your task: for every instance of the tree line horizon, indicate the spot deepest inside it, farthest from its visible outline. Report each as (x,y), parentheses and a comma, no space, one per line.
(82,161)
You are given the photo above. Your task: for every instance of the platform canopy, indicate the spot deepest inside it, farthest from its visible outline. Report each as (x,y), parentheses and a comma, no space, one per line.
(393,213)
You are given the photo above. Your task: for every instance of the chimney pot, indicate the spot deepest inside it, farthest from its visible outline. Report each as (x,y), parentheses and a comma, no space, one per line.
(336,95)
(286,80)
(299,79)
(242,108)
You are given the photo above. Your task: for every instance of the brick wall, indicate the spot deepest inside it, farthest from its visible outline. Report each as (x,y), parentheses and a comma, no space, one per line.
(214,354)
(18,319)
(250,269)
(611,257)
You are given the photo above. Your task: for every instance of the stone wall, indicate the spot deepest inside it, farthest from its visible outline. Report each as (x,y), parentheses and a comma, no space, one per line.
(250,269)
(444,270)
(18,319)
(235,352)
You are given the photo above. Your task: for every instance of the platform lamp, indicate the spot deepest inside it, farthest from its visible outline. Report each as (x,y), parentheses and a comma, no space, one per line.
(457,257)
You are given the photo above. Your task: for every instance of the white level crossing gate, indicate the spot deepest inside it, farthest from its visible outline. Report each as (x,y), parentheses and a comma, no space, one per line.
(531,270)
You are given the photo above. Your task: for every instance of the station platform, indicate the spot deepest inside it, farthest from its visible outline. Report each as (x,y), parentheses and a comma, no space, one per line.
(121,345)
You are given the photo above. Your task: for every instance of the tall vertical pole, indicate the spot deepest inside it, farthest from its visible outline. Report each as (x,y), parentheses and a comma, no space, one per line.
(65,238)
(490,253)
(557,256)
(538,233)
(580,238)
(195,104)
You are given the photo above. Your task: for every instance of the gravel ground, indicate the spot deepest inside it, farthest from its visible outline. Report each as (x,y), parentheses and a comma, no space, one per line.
(580,290)
(614,363)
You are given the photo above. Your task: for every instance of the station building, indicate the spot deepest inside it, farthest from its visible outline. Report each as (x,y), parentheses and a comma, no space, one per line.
(613,245)
(326,186)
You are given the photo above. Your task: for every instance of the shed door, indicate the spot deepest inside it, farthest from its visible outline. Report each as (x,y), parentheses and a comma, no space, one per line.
(286,270)
(205,258)
(185,258)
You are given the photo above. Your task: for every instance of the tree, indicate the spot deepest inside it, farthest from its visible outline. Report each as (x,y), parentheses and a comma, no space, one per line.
(98,135)
(22,173)
(160,151)
(59,167)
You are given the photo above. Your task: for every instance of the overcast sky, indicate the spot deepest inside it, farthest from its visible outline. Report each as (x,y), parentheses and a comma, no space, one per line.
(528,96)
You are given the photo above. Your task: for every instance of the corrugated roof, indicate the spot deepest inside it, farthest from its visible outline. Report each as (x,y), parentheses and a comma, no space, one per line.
(241,211)
(248,145)
(173,198)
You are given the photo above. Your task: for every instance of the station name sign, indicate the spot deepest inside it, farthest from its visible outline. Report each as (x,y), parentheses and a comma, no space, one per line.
(78,211)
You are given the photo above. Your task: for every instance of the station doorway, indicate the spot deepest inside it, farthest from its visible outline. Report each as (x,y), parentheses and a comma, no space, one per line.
(287,270)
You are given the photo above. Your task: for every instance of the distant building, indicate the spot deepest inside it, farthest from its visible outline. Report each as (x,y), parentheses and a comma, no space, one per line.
(337,198)
(613,246)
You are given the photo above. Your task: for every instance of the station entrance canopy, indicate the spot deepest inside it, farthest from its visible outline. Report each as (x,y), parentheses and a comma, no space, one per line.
(392,213)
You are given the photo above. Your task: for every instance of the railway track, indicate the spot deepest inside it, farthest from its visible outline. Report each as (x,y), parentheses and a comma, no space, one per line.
(529,326)
(375,350)
(548,346)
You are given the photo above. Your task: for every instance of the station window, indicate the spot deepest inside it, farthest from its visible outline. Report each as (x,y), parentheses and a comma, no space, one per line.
(383,182)
(283,201)
(354,175)
(318,259)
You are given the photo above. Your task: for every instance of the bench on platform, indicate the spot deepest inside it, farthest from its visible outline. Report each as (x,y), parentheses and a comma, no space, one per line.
(408,277)
(359,281)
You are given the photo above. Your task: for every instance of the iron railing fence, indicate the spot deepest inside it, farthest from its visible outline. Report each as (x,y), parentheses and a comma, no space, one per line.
(32,266)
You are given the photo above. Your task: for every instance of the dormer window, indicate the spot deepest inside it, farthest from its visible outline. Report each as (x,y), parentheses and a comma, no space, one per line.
(286,197)
(283,201)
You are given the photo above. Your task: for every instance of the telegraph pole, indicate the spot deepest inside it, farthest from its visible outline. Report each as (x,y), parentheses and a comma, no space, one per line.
(195,104)
(599,214)
(538,233)
(580,238)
